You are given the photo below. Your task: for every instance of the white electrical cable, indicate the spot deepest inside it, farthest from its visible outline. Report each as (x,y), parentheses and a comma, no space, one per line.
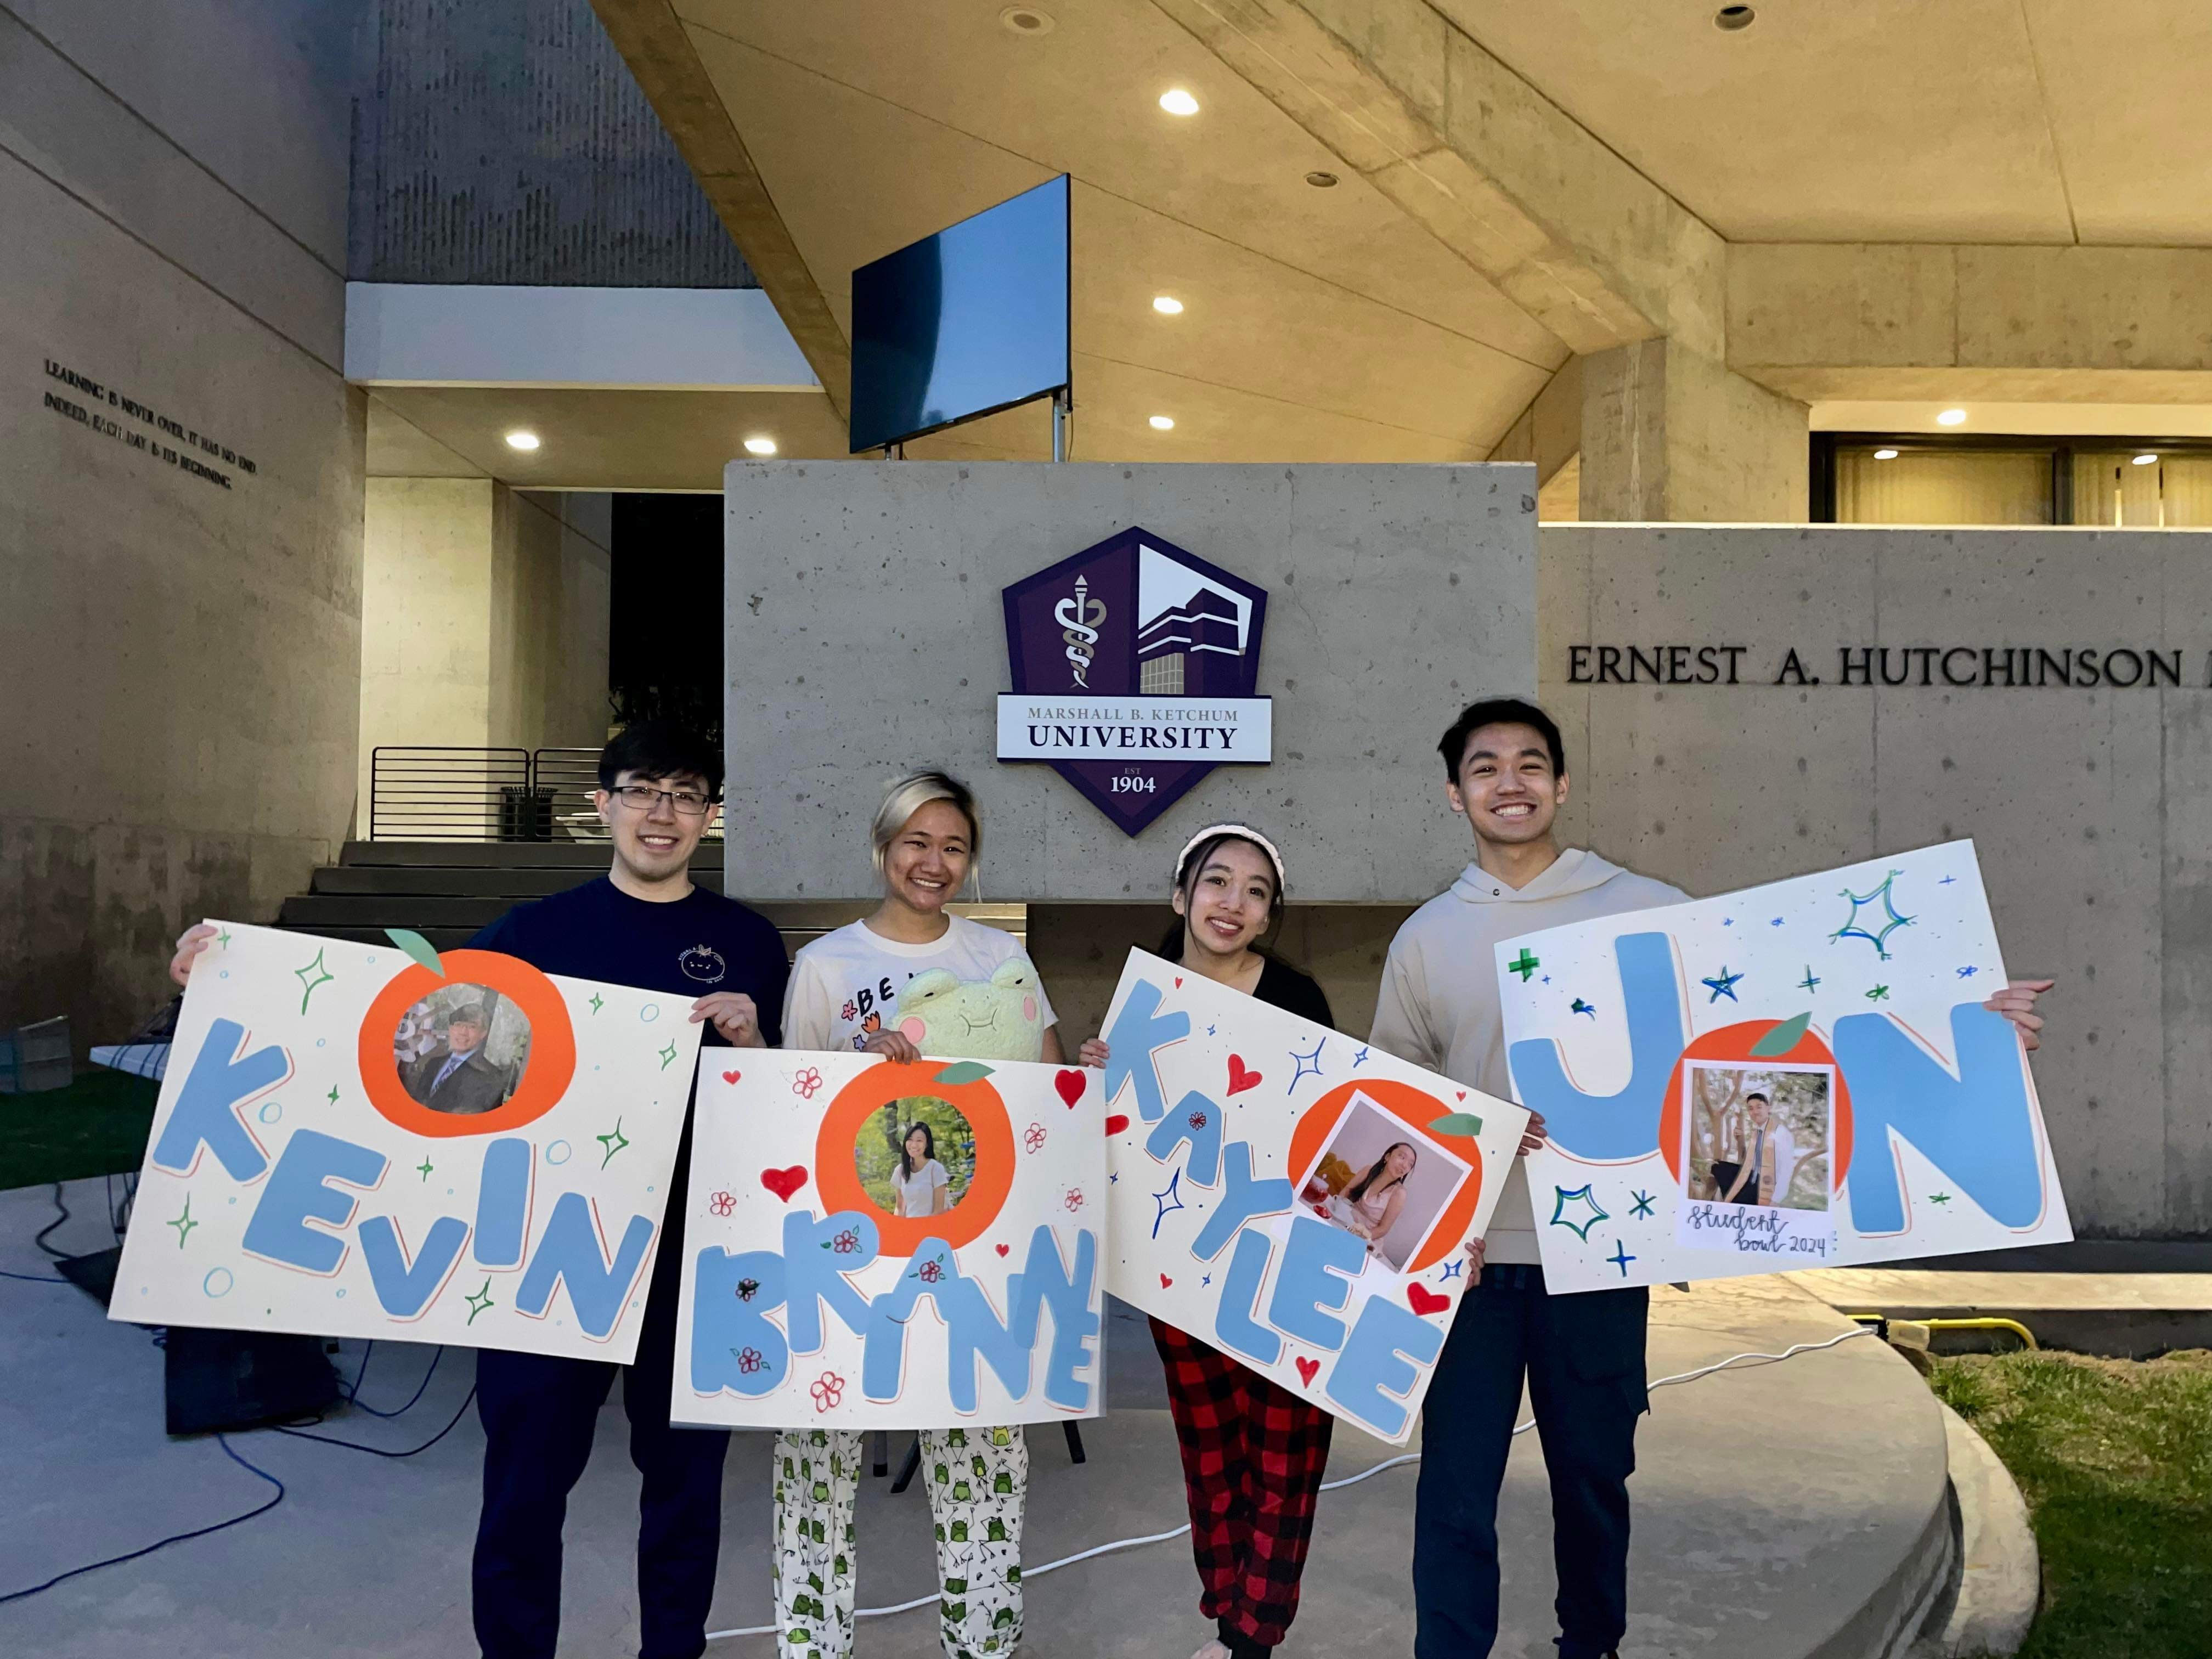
(1029,1573)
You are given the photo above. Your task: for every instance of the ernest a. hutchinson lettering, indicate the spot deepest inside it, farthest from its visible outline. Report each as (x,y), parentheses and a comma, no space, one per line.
(1999,667)
(179,455)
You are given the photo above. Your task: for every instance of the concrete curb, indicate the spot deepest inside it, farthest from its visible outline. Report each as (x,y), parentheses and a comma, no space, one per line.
(1999,1574)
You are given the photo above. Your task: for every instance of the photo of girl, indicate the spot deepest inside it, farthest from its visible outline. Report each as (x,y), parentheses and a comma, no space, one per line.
(1371,1181)
(916,1156)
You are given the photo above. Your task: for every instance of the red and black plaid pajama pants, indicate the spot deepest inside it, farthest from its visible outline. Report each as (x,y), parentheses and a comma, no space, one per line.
(1253,1456)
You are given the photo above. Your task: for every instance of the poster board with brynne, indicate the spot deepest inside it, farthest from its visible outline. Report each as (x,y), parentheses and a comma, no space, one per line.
(358,1140)
(827,1285)
(1251,1154)
(1798,1075)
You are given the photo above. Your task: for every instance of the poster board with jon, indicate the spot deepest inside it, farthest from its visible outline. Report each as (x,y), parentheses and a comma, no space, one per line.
(1798,1075)
(1291,1195)
(356,1140)
(829,1283)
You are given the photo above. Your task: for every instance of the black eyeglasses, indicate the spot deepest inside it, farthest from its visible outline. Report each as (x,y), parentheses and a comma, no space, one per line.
(642,797)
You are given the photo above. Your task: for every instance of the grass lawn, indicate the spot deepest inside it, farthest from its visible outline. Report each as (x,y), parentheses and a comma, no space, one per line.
(95,1126)
(2115,1458)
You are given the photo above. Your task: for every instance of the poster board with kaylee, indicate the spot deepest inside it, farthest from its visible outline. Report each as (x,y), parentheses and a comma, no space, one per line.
(1255,1156)
(1798,1075)
(829,1285)
(358,1140)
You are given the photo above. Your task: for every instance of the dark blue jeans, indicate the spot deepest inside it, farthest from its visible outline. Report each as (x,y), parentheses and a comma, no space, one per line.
(539,1414)
(1583,1358)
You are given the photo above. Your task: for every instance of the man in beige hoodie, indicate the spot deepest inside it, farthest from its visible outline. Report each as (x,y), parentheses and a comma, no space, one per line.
(1582,1355)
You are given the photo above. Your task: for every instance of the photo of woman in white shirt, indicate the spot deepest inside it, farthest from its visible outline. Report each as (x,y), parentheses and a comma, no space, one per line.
(921,1183)
(1370,1205)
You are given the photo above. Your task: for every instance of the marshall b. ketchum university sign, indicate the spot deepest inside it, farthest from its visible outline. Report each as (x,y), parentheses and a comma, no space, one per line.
(1134,669)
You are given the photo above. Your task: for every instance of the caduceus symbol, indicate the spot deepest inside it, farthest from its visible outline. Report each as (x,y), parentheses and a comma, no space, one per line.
(1079,619)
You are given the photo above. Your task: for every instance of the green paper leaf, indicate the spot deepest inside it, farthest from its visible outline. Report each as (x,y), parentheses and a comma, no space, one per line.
(417,947)
(1457,1123)
(1783,1038)
(965,1070)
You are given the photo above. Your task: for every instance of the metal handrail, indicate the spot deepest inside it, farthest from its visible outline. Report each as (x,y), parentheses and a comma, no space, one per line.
(455,793)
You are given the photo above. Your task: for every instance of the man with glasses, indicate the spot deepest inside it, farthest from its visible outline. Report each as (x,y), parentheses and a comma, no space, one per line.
(643,924)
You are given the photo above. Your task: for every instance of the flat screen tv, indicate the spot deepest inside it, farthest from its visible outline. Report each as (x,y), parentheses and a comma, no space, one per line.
(965,322)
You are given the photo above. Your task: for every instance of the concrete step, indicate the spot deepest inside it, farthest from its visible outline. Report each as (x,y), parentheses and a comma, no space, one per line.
(468,881)
(321,912)
(502,854)
(2131,1315)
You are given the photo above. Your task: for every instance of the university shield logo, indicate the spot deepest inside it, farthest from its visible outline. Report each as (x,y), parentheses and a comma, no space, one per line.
(1134,665)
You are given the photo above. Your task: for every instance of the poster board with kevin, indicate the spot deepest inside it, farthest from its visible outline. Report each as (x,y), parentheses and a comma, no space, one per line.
(1797,1075)
(359,1140)
(1291,1195)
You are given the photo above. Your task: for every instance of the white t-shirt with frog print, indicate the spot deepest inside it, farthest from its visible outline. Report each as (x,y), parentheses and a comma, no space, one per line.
(843,985)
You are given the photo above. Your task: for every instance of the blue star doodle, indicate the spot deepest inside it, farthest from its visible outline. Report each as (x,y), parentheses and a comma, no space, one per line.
(1621,1257)
(1722,984)
(1204,1280)
(1451,1269)
(1777,922)
(1947,881)
(1307,1065)
(1809,982)
(1578,1196)
(1728,921)
(1168,1201)
(1360,1060)
(1643,1204)
(1209,1031)
(1891,920)
(1968,973)
(1581,1007)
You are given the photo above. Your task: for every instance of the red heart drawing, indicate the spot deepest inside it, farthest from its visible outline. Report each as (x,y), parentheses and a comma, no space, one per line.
(1462,1094)
(1240,1080)
(1165,1281)
(1426,1301)
(1178,981)
(732,1077)
(784,1182)
(1116,1123)
(1308,1370)
(1069,1084)
(1002,1250)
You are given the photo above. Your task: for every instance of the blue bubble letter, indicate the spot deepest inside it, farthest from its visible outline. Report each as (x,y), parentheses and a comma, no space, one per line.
(206,1109)
(1372,1369)
(503,1202)
(1138,1028)
(403,1291)
(735,1347)
(1240,1293)
(569,1251)
(1624,1125)
(295,1195)
(1244,1199)
(814,1270)
(1318,1266)
(1197,1120)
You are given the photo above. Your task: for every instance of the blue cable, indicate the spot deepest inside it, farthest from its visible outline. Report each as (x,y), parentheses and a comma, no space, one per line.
(230,1452)
(353,1393)
(36,1279)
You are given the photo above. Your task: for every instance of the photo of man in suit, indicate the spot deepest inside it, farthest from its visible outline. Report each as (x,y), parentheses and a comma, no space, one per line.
(457,1076)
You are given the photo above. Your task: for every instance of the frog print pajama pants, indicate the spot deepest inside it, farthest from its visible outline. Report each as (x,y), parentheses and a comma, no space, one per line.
(976,1480)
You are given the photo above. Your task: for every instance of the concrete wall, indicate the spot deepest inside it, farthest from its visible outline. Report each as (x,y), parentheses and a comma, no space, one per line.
(867,637)
(179,648)
(2087,805)
(483,618)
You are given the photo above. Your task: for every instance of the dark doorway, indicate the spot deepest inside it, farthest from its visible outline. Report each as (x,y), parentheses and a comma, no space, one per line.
(664,658)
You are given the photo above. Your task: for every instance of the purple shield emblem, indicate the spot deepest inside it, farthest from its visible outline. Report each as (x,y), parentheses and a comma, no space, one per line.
(1137,651)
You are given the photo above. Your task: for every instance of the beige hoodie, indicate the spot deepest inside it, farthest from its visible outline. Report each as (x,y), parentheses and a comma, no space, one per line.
(1438,1007)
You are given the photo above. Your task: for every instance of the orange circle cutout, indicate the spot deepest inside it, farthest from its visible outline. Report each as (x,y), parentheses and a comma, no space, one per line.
(552,1044)
(1733,1042)
(1417,1109)
(868,1093)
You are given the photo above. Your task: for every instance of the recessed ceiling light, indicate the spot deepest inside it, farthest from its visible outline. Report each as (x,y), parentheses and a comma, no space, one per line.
(1951,417)
(1885,454)
(760,446)
(1322,180)
(1176,101)
(1026,20)
(2146,460)
(1167,305)
(1163,423)
(1733,18)
(522,440)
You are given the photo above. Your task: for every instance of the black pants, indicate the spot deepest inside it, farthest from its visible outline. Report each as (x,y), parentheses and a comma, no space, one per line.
(538,1415)
(1583,1359)
(1725,1174)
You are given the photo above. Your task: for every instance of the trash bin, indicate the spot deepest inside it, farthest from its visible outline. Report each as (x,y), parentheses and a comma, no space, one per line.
(525,814)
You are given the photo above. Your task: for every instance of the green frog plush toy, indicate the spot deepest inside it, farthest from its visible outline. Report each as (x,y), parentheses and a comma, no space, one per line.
(1001,1017)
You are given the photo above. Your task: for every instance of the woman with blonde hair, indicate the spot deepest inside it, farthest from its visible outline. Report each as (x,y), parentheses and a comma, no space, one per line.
(844,989)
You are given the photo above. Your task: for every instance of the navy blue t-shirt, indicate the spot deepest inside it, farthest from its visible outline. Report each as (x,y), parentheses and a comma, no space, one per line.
(700,943)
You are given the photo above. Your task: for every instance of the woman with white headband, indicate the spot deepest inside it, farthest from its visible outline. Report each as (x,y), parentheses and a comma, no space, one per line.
(1253,1454)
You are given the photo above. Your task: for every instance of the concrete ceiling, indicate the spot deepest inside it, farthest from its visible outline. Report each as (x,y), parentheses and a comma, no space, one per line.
(1319,322)
(591,438)
(2057,121)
